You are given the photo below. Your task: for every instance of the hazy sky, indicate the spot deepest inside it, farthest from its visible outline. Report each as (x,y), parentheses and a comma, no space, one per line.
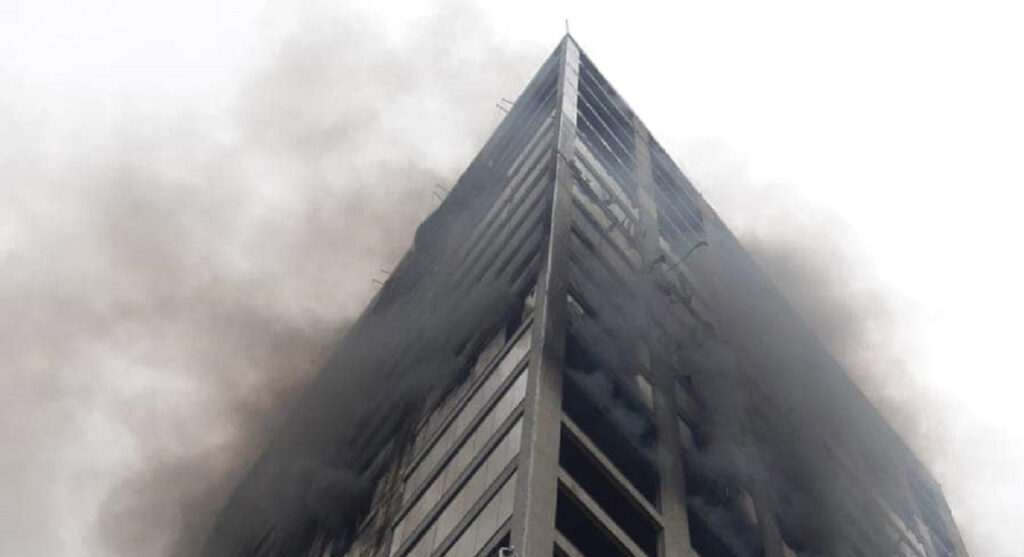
(886,137)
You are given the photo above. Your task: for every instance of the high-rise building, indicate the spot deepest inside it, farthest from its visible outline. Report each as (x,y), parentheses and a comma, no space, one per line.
(577,358)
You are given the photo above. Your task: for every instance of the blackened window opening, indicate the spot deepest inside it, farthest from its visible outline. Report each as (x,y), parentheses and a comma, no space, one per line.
(602,489)
(717,524)
(620,426)
(705,540)
(581,531)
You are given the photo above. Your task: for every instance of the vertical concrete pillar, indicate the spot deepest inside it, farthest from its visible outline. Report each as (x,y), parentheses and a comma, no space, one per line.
(533,527)
(675,538)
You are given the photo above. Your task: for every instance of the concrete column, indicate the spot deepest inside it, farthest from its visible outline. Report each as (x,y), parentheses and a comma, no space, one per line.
(675,538)
(533,520)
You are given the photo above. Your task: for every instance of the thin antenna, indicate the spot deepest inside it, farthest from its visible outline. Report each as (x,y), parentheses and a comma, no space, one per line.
(383,271)
(566,26)
(439,197)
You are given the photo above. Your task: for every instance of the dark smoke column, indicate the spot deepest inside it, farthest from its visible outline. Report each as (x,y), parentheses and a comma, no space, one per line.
(577,357)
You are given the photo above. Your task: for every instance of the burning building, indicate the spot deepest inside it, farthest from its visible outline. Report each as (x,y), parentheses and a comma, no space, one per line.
(577,358)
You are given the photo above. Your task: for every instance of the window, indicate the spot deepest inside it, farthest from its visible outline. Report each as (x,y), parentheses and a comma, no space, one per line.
(573,458)
(458,504)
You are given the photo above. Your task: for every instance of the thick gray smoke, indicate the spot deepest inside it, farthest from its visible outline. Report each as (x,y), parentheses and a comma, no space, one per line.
(864,327)
(812,259)
(173,276)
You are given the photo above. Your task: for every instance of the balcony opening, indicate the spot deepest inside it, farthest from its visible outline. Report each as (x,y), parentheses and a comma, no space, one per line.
(720,515)
(588,473)
(612,417)
(580,529)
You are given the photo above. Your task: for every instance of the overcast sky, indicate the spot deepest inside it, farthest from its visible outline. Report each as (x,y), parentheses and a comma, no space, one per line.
(884,136)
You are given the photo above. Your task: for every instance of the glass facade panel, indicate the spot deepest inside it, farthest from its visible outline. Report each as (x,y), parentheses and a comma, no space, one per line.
(470,448)
(422,469)
(483,527)
(460,505)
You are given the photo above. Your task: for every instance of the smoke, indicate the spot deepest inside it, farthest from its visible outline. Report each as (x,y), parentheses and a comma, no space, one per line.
(174,273)
(814,261)
(814,258)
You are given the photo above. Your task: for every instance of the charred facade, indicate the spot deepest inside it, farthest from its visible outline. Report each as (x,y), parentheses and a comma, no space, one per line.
(577,358)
